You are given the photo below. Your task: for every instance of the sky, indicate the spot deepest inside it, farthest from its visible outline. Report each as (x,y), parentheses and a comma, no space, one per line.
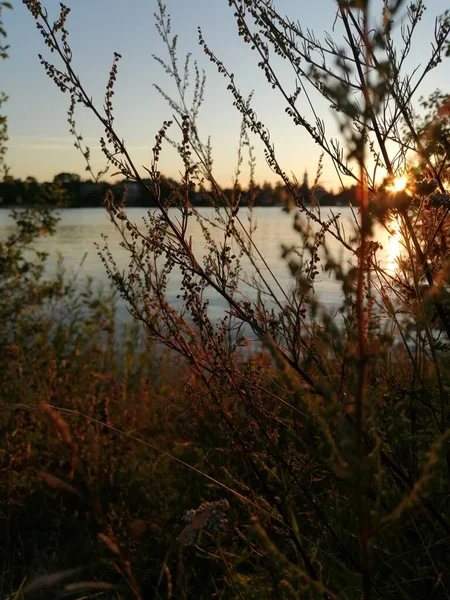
(41,146)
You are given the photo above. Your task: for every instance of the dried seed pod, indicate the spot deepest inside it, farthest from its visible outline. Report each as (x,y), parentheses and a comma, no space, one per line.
(425,188)
(438,200)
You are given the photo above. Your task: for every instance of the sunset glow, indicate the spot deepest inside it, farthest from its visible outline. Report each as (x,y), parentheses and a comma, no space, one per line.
(398,184)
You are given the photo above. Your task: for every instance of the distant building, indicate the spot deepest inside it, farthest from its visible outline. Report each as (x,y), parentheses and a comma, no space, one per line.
(304,193)
(319,193)
(133,191)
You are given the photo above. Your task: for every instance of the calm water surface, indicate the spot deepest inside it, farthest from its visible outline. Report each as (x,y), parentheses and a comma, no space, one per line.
(80,228)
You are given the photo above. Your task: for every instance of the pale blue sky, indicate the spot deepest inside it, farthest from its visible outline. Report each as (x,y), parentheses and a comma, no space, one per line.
(40,144)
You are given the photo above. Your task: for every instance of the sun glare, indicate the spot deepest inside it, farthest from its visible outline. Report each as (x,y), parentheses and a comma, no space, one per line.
(399,184)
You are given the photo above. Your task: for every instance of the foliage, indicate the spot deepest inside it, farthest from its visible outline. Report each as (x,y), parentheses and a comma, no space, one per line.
(20,274)
(75,193)
(325,445)
(3,97)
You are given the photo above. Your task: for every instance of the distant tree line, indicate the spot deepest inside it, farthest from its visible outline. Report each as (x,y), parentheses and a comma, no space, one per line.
(69,190)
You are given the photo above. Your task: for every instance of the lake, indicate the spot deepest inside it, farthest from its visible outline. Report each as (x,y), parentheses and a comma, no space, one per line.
(80,228)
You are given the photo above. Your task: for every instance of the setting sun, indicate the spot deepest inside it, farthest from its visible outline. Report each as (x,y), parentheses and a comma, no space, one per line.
(399,184)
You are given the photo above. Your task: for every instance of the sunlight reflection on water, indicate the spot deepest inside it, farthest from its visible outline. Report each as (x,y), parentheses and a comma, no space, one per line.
(394,246)
(80,228)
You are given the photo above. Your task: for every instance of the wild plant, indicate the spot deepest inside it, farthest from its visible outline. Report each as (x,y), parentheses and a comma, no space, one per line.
(3,97)
(21,266)
(335,431)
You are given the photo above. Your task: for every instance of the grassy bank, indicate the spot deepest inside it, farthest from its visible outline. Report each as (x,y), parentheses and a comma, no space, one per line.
(127,475)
